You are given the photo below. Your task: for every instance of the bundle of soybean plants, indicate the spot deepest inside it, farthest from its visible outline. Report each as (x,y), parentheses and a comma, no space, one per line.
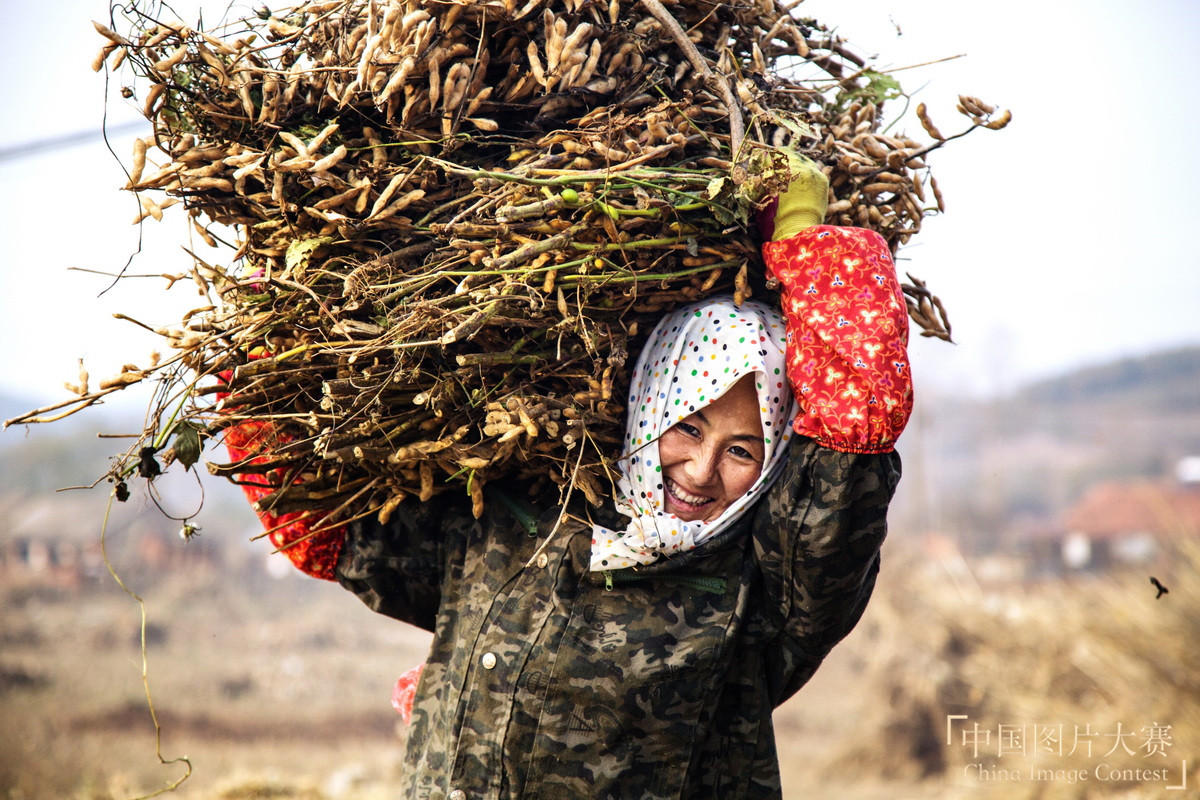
(452,221)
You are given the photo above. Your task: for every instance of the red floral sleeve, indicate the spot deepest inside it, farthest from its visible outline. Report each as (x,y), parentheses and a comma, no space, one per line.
(314,553)
(847,333)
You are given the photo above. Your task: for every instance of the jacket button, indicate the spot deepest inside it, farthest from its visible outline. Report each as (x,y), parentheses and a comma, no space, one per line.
(488,661)
(458,794)
(542,560)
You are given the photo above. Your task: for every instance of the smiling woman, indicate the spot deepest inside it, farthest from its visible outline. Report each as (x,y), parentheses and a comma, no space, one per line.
(637,649)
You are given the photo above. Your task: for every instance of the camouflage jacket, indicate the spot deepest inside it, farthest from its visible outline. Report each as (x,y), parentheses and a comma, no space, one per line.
(547,681)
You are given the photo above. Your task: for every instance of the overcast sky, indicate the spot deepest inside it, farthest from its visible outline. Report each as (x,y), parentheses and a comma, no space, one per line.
(1065,240)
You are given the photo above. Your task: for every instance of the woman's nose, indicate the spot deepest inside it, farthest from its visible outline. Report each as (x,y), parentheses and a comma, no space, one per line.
(702,467)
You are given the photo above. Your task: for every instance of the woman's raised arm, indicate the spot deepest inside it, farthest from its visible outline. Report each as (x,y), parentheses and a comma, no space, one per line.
(819,532)
(847,329)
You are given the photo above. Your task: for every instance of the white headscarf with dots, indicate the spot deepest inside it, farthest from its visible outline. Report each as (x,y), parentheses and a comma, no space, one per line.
(693,356)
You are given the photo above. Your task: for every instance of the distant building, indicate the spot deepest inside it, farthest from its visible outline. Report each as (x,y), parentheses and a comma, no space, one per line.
(1121,523)
(56,541)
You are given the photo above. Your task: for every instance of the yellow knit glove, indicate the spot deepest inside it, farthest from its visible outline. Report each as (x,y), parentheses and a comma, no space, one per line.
(802,205)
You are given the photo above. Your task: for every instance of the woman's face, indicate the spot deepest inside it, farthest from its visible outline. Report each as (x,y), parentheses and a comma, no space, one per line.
(713,457)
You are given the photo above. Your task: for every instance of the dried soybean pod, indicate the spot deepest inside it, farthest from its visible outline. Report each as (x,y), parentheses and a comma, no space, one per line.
(169,63)
(295,142)
(741,286)
(203,233)
(385,196)
(102,56)
(396,80)
(329,161)
(152,96)
(319,140)
(873,189)
(556,37)
(973,106)
(399,205)
(242,79)
(111,35)
(937,194)
(216,184)
(476,497)
(454,91)
(426,472)
(478,98)
(451,17)
(139,161)
(575,43)
(1000,121)
(271,91)
(535,63)
(148,208)
(927,123)
(378,152)
(435,79)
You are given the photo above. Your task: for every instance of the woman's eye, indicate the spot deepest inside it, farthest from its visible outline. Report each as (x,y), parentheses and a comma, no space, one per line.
(741,452)
(687,430)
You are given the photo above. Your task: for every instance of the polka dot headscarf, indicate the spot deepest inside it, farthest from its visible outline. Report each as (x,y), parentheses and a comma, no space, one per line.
(693,356)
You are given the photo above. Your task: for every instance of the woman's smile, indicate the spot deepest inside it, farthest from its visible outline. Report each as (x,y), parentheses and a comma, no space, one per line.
(678,496)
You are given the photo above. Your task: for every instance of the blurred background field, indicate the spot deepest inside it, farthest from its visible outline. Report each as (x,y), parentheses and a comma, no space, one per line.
(1015,648)
(279,689)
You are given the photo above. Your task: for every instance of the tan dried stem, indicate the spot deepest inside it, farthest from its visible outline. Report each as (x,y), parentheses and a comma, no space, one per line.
(737,126)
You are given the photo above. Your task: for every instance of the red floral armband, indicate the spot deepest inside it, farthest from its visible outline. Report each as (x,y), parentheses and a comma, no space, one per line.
(314,552)
(847,336)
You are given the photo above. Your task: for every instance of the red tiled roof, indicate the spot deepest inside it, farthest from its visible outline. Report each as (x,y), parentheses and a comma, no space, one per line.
(1114,509)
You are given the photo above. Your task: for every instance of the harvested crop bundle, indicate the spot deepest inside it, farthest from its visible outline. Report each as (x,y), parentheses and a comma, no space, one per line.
(453,220)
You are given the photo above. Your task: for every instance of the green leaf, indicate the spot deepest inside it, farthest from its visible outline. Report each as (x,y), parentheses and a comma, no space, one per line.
(187,444)
(879,88)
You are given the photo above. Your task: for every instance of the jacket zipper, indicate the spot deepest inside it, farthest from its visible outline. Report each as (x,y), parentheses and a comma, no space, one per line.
(701,583)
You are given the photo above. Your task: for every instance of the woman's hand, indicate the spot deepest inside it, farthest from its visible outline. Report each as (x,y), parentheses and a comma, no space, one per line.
(801,205)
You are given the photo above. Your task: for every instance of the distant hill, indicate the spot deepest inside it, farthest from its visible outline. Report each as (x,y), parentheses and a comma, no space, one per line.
(1146,411)
(1168,380)
(985,469)
(11,405)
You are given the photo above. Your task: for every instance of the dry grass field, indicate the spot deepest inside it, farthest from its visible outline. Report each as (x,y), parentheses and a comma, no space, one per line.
(279,689)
